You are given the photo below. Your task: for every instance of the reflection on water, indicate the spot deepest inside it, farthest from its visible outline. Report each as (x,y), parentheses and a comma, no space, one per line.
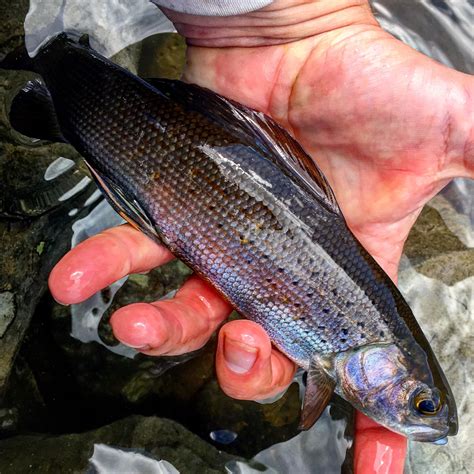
(57,168)
(223,436)
(324,445)
(86,316)
(108,460)
(441,29)
(111,24)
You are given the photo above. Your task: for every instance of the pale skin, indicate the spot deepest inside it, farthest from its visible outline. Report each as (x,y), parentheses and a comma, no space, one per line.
(388,126)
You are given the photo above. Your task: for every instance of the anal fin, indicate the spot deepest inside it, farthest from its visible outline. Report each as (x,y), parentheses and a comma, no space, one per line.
(319,390)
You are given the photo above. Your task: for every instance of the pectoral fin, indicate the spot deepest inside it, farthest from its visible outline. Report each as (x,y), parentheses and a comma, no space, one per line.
(127,207)
(319,389)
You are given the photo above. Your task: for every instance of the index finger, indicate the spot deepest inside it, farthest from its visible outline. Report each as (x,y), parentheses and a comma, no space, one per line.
(103,259)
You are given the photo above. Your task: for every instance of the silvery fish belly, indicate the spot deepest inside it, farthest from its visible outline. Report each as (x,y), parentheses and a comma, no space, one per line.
(236,198)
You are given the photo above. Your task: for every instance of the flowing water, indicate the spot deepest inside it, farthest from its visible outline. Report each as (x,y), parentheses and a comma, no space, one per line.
(440,294)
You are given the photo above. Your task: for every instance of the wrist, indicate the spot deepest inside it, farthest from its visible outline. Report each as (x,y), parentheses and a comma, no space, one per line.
(467,117)
(280,22)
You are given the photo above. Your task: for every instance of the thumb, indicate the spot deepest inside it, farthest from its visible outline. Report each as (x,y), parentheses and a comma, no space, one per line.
(377,450)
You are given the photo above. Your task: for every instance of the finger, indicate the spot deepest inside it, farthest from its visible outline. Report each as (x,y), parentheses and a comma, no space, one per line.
(100,260)
(248,368)
(377,450)
(176,326)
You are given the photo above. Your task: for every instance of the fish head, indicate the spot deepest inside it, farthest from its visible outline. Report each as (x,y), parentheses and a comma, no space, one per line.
(396,390)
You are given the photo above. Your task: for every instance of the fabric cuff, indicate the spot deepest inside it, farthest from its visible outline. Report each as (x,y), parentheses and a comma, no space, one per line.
(213,7)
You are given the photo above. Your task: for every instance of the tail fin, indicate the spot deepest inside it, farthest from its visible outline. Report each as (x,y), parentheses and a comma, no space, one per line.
(18,59)
(32,113)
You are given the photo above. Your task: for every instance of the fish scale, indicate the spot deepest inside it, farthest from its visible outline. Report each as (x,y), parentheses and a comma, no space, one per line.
(230,193)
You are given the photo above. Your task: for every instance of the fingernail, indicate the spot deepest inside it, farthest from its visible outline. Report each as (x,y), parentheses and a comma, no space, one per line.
(239,357)
(61,303)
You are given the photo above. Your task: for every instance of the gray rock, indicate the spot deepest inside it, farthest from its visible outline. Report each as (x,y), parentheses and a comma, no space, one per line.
(437,278)
(446,315)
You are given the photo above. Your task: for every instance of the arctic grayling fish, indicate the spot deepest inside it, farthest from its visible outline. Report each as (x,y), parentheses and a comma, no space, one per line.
(233,195)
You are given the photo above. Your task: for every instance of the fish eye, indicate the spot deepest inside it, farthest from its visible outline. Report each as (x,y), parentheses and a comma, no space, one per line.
(426,405)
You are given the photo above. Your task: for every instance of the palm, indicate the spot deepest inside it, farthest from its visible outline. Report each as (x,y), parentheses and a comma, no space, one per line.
(377,132)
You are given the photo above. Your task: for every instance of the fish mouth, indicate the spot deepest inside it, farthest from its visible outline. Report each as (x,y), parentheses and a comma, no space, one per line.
(429,434)
(453,425)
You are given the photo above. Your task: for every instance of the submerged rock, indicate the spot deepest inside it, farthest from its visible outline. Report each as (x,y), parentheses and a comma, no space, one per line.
(34,210)
(162,438)
(437,278)
(7,311)
(12,13)
(446,315)
(107,387)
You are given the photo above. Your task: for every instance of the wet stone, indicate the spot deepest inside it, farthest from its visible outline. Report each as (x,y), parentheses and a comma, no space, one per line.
(12,14)
(23,403)
(434,249)
(430,237)
(162,56)
(7,310)
(161,438)
(450,267)
(8,419)
(437,280)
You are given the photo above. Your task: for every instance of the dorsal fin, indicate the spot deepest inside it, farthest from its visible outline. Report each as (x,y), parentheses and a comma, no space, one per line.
(257,129)
(84,40)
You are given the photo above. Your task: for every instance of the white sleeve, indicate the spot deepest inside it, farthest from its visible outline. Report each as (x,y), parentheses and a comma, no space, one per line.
(213,7)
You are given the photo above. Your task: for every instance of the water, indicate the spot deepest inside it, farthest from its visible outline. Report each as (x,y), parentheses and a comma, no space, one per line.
(86,316)
(111,24)
(441,29)
(223,436)
(57,168)
(108,460)
(444,307)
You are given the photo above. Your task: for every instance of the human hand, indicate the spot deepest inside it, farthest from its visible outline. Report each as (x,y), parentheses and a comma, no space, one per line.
(388,126)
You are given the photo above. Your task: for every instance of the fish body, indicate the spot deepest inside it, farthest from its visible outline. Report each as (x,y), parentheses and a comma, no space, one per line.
(233,195)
